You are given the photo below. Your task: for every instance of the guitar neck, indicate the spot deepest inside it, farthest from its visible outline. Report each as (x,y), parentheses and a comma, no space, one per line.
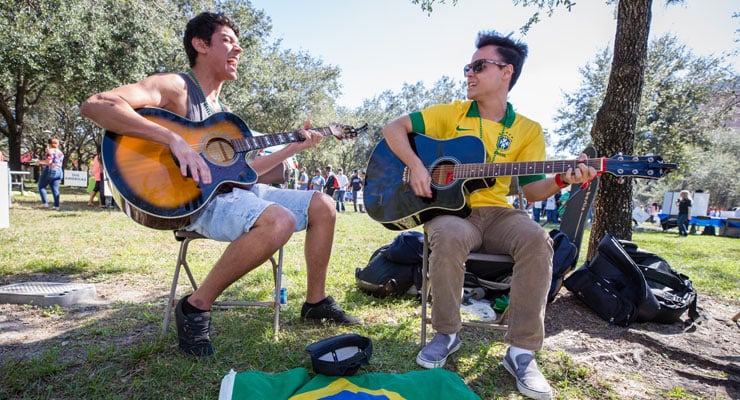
(243,145)
(487,170)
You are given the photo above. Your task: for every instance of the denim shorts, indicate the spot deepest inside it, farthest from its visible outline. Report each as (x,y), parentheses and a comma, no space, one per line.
(227,216)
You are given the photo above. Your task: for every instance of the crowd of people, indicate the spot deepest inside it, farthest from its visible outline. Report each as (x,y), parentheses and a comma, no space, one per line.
(339,186)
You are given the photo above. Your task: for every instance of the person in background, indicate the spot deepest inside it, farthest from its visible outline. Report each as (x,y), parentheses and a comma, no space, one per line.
(536,209)
(355,183)
(303,179)
(493,225)
(97,170)
(342,181)
(331,182)
(684,212)
(551,209)
(563,203)
(654,211)
(318,181)
(51,173)
(256,221)
(359,199)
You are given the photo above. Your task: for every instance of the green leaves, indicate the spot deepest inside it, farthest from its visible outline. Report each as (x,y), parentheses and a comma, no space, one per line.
(686,99)
(679,100)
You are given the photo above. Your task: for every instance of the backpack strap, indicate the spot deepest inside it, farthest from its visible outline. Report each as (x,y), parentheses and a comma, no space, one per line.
(674,282)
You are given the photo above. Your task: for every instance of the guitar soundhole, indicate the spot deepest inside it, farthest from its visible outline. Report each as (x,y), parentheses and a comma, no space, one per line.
(443,173)
(219,151)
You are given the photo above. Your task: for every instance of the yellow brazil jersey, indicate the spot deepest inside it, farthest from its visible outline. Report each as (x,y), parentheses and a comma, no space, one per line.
(514,138)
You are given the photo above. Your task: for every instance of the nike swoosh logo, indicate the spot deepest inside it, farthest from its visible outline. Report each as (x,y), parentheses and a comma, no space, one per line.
(457,128)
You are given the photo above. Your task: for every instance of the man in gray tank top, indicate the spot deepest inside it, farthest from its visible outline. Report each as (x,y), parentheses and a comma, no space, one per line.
(257,221)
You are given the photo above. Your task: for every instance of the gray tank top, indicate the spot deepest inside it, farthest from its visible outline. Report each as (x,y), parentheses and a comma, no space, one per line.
(196,107)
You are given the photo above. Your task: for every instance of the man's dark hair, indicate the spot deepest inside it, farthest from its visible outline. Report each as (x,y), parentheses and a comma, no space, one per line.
(513,51)
(202,26)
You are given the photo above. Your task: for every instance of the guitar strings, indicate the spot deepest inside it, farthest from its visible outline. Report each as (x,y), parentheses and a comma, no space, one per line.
(510,168)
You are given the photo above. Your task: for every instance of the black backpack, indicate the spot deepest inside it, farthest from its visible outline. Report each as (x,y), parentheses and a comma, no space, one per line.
(621,292)
(564,258)
(674,291)
(395,268)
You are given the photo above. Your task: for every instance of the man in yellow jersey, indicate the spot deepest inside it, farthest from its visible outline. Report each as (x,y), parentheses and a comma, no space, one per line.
(493,226)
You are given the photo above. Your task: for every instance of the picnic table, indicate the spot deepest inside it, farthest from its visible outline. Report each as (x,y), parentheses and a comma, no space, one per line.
(669,221)
(708,221)
(17,178)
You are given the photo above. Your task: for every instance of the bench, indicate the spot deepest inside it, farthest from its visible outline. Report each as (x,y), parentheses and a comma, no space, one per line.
(17,178)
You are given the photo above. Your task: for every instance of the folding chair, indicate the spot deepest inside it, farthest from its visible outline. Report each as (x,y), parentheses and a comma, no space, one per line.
(185,237)
(276,176)
(572,224)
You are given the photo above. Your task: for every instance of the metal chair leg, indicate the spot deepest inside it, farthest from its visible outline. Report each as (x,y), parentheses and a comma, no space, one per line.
(182,264)
(424,290)
(277,272)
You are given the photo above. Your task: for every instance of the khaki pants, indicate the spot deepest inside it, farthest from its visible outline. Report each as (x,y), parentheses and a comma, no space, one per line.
(493,230)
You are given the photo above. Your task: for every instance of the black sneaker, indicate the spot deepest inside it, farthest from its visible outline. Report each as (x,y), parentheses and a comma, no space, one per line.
(194,331)
(328,311)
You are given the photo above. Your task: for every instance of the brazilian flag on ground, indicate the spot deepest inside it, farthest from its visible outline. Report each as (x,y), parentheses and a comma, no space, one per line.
(295,384)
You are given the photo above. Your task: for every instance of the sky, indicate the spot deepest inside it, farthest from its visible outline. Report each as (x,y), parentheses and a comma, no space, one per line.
(381,44)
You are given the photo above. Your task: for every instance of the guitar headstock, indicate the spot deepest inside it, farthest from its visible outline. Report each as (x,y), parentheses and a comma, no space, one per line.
(651,167)
(341,131)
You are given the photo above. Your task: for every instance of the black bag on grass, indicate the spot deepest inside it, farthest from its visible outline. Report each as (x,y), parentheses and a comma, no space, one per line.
(614,286)
(625,284)
(393,269)
(406,248)
(674,291)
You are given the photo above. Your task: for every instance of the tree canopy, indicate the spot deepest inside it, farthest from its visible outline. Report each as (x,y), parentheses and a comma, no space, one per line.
(684,98)
(57,53)
(67,50)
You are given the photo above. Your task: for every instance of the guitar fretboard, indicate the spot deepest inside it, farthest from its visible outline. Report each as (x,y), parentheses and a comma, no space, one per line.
(243,145)
(484,170)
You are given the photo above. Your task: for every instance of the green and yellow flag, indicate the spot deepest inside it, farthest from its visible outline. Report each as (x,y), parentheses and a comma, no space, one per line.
(296,384)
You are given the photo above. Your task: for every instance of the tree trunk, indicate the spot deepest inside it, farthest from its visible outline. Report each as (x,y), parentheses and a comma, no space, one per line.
(614,127)
(14,149)
(14,122)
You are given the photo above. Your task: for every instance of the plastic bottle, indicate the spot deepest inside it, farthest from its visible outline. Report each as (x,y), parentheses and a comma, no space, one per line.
(283,289)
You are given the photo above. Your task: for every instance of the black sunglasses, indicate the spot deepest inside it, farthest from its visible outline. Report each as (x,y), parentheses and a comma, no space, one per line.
(477,65)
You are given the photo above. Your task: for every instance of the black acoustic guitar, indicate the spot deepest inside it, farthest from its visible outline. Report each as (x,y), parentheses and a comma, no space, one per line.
(457,166)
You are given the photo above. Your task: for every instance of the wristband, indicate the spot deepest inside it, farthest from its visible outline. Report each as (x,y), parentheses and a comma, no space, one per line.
(559,182)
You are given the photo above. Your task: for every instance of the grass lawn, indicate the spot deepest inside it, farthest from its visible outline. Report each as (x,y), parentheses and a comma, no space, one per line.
(115,351)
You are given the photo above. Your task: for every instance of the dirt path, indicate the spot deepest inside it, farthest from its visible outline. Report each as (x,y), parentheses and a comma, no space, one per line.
(647,360)
(643,361)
